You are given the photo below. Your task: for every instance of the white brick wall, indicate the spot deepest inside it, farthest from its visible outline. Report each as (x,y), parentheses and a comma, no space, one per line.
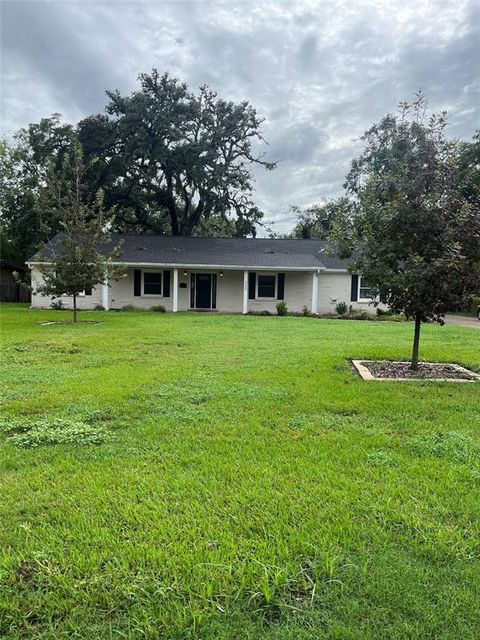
(332,288)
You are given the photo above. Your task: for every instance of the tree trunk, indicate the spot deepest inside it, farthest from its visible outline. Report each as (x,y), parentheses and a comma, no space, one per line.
(416,342)
(74,308)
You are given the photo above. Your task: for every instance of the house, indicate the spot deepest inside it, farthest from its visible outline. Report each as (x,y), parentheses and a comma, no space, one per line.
(234,275)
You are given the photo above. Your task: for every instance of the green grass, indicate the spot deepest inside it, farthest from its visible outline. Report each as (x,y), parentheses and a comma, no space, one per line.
(230,477)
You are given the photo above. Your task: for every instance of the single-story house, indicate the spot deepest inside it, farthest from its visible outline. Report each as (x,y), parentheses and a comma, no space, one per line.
(234,275)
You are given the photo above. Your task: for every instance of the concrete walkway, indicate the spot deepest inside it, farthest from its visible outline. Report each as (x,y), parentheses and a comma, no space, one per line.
(463,321)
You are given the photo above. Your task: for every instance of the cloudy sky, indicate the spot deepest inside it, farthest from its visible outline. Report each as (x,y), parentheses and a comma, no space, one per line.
(319,71)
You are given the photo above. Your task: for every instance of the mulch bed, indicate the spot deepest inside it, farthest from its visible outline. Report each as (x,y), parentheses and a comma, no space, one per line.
(70,322)
(384,370)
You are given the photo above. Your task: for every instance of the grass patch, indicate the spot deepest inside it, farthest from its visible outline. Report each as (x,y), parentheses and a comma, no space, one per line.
(235,479)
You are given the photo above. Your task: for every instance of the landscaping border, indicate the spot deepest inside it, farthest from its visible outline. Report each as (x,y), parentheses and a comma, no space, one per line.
(361,367)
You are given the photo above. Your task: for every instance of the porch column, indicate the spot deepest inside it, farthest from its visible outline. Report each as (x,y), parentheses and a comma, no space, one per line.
(175,291)
(105,294)
(315,292)
(245,292)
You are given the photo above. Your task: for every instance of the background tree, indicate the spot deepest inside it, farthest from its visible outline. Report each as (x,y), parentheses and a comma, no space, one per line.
(35,152)
(171,160)
(79,257)
(317,220)
(412,229)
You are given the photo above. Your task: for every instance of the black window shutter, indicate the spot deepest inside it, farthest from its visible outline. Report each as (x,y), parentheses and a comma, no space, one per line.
(88,289)
(166,284)
(354,295)
(137,282)
(281,287)
(214,291)
(252,278)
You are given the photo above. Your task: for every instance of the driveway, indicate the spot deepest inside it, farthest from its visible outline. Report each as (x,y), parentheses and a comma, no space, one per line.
(463,321)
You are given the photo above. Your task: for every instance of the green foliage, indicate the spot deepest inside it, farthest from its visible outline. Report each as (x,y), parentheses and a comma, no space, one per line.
(318,220)
(341,308)
(182,161)
(255,487)
(282,308)
(410,227)
(57,305)
(51,431)
(36,152)
(79,257)
(305,311)
(99,307)
(131,307)
(158,307)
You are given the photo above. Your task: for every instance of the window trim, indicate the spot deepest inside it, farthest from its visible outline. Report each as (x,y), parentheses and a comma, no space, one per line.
(359,297)
(266,273)
(151,295)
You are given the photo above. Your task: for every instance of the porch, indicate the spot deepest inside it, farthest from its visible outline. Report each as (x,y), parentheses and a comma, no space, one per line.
(224,290)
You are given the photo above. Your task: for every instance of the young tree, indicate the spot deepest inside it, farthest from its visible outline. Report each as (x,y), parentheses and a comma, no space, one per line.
(171,160)
(78,258)
(413,232)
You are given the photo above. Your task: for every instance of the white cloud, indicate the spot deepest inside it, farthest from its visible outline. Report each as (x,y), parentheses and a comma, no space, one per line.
(319,71)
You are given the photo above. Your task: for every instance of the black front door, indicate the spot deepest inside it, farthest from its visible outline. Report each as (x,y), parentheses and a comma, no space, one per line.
(203,291)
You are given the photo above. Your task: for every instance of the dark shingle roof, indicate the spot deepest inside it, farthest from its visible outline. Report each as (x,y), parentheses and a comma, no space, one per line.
(222,252)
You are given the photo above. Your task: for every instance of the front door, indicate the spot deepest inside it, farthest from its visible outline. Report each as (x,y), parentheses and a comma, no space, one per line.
(203,291)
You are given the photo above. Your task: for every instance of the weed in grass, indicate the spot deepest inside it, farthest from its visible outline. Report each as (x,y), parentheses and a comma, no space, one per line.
(381,458)
(453,446)
(52,431)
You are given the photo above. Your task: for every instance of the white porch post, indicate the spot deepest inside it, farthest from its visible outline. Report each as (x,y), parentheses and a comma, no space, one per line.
(315,292)
(105,294)
(245,292)
(175,291)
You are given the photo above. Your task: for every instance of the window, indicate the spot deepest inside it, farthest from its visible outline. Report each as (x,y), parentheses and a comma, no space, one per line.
(152,283)
(266,286)
(365,290)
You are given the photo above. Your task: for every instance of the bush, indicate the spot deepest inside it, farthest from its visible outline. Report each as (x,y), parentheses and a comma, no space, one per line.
(281,308)
(99,307)
(57,305)
(260,313)
(384,312)
(130,307)
(341,308)
(305,311)
(158,307)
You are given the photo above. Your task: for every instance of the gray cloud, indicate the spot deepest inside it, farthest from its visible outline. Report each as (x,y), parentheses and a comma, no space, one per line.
(319,71)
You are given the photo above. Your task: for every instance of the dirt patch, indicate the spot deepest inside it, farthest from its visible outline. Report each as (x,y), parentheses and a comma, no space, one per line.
(385,370)
(44,324)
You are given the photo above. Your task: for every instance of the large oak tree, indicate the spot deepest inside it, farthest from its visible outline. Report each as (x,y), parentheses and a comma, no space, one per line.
(172,160)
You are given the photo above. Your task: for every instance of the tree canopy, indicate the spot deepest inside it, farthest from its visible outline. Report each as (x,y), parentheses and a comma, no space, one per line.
(317,220)
(413,226)
(171,160)
(167,160)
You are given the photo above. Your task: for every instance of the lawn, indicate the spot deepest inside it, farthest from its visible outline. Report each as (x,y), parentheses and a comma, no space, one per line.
(230,477)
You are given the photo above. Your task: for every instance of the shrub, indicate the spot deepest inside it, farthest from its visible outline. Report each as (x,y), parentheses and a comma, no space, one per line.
(99,307)
(341,308)
(158,307)
(360,315)
(130,307)
(305,311)
(281,308)
(384,312)
(57,305)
